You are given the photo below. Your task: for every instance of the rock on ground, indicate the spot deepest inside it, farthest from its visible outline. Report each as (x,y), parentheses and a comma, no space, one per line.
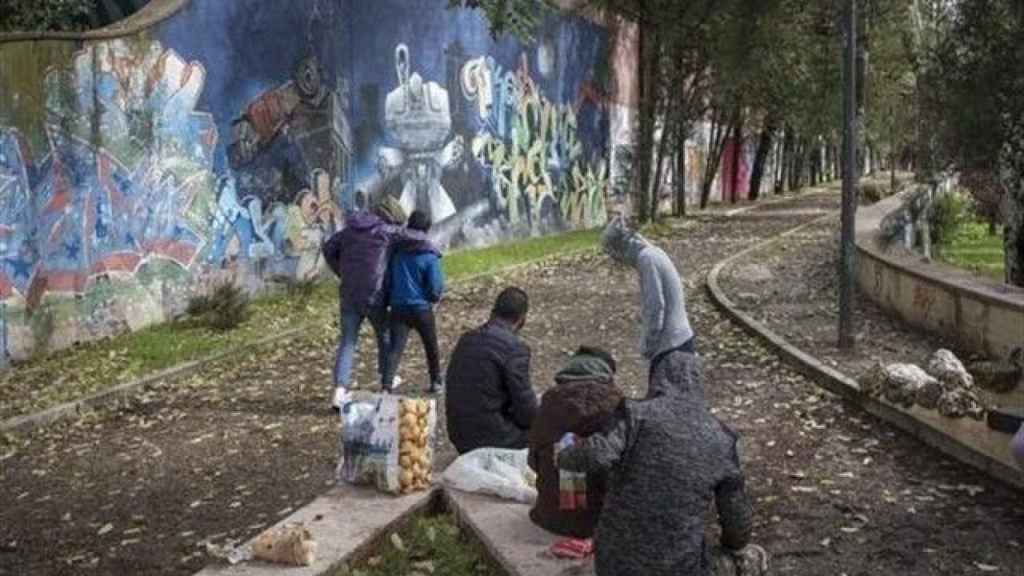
(905,382)
(945,366)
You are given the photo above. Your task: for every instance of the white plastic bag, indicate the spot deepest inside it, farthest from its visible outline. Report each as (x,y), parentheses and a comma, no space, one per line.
(494,471)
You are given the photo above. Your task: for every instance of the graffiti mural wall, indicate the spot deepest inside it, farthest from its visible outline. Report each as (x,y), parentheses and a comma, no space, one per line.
(492,139)
(229,140)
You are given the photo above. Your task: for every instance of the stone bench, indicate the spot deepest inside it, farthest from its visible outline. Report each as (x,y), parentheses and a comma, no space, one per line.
(505,530)
(348,522)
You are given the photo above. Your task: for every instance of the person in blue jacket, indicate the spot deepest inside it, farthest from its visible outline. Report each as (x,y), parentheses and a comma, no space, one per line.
(415,285)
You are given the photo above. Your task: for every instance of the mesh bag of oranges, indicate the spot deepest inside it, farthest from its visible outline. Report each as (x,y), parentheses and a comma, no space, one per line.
(387,442)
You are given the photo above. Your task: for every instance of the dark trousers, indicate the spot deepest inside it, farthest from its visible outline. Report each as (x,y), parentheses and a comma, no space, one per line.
(422,321)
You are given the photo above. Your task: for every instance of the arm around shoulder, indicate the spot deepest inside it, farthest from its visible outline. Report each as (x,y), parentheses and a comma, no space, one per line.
(597,452)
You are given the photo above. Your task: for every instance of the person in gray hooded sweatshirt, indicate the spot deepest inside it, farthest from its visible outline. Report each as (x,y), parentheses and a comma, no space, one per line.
(666,327)
(668,459)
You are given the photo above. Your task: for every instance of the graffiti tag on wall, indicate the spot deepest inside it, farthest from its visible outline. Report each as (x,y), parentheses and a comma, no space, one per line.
(128,159)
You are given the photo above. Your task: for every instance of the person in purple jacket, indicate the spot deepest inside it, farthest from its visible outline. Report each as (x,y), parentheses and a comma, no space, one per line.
(359,255)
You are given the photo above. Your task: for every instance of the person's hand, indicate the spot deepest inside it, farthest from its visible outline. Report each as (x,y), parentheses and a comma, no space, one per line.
(566,441)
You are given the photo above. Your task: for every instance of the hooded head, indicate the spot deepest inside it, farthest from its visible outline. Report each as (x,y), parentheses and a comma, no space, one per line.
(590,364)
(621,243)
(419,220)
(390,210)
(677,374)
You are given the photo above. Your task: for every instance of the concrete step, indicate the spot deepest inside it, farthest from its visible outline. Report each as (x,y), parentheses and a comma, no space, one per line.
(516,543)
(347,523)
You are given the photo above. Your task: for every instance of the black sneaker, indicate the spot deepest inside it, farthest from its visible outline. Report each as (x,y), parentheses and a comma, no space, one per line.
(436,387)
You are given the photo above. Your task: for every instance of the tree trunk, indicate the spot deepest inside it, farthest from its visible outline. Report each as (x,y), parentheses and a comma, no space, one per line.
(764,146)
(786,163)
(645,145)
(737,149)
(716,141)
(796,170)
(679,207)
(1013,232)
(812,165)
(658,173)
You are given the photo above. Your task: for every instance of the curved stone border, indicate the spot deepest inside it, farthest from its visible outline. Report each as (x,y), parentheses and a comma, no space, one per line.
(846,387)
(985,317)
(153,13)
(119,393)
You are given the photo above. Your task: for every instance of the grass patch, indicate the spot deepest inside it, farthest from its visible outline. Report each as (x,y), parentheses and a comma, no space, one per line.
(434,541)
(72,374)
(971,247)
(464,264)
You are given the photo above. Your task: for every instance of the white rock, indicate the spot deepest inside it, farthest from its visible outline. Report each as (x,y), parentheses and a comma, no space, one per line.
(945,366)
(905,382)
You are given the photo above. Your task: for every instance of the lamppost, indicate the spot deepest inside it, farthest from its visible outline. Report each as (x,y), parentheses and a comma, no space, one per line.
(847,254)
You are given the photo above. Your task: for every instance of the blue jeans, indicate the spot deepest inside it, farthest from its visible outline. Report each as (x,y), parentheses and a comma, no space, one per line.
(351,321)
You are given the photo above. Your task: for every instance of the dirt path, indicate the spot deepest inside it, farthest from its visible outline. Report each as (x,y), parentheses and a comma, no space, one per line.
(231,450)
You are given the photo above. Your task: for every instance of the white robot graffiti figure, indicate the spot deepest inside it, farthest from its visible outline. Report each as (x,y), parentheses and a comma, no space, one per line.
(417,117)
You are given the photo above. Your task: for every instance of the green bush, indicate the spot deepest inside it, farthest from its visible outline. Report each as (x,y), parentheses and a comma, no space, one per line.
(224,309)
(51,15)
(949,212)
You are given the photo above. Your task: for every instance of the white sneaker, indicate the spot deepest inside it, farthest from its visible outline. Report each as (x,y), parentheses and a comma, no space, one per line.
(340,398)
(396,383)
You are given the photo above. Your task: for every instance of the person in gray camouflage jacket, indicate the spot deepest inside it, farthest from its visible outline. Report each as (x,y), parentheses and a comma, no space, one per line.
(669,458)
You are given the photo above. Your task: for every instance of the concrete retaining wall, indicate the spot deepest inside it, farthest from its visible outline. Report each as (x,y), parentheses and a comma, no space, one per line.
(982,315)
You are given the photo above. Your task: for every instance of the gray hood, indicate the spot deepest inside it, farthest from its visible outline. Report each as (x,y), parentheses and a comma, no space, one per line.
(621,243)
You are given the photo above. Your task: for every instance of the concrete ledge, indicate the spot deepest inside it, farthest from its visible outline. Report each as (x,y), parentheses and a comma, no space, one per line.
(986,316)
(346,523)
(513,541)
(970,442)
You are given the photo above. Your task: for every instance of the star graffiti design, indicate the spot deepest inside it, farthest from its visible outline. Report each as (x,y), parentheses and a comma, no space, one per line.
(22,268)
(72,248)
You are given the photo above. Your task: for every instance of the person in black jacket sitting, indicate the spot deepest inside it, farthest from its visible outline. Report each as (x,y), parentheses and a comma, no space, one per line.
(490,402)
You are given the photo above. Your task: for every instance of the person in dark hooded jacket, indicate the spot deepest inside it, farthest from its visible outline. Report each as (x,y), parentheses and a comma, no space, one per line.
(359,255)
(583,402)
(669,458)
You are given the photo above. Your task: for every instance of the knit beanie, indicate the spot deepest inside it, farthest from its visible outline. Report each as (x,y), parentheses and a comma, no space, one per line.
(585,367)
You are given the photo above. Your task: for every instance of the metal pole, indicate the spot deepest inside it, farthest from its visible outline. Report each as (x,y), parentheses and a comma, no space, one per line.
(847,265)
